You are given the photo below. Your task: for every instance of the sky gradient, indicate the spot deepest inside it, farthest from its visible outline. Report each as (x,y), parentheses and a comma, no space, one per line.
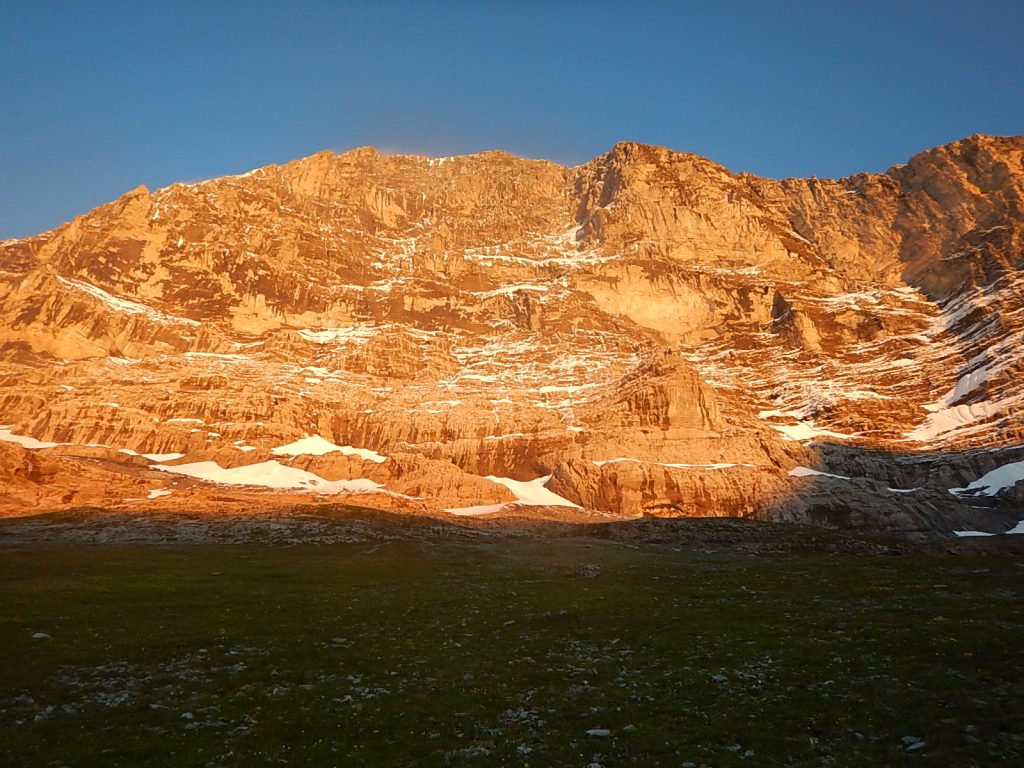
(99,98)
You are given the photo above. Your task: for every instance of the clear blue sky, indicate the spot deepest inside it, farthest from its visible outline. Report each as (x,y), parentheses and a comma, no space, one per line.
(97,98)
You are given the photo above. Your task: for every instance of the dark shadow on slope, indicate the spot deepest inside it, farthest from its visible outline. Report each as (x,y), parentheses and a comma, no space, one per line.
(368,531)
(917,494)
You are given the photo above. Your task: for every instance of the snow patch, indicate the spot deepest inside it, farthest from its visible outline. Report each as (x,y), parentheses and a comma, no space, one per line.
(268,474)
(314,445)
(311,445)
(483,509)
(991,483)
(808,472)
(24,440)
(944,420)
(161,457)
(775,412)
(356,333)
(1018,529)
(533,492)
(802,430)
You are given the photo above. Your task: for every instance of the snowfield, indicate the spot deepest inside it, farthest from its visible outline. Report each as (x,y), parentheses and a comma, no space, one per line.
(268,474)
(314,445)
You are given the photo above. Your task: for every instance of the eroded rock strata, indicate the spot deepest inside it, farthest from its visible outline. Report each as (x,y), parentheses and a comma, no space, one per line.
(648,334)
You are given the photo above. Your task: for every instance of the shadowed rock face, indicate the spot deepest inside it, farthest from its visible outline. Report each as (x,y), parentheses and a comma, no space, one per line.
(661,336)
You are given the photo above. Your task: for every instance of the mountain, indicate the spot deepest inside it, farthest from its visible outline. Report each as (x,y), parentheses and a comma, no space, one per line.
(645,334)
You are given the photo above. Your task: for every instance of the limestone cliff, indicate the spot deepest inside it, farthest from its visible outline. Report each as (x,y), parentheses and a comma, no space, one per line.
(647,333)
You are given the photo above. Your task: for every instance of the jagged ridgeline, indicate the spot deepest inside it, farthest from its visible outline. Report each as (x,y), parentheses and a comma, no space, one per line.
(645,334)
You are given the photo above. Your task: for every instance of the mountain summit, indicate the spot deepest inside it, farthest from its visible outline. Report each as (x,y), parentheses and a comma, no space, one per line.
(645,334)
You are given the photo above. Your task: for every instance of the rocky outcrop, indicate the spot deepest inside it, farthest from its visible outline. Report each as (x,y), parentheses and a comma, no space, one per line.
(31,483)
(664,392)
(652,489)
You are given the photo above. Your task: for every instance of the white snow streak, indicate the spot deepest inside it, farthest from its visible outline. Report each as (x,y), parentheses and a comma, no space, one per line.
(671,466)
(808,472)
(124,305)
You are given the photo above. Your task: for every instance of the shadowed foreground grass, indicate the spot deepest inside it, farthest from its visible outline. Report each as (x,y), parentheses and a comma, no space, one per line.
(506,653)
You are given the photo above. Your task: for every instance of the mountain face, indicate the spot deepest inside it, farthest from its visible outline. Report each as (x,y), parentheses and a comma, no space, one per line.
(646,334)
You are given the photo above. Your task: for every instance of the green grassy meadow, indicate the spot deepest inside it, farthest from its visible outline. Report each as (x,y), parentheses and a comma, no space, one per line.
(506,652)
